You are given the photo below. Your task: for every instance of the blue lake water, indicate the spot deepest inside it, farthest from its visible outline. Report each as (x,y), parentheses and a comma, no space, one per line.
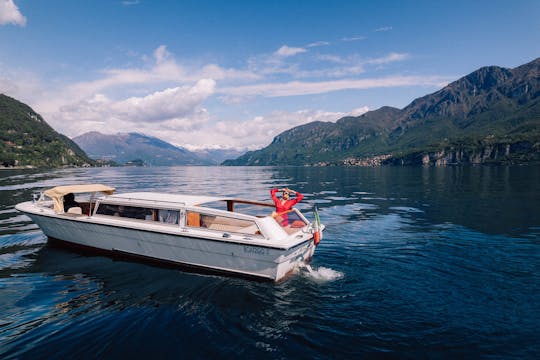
(415,263)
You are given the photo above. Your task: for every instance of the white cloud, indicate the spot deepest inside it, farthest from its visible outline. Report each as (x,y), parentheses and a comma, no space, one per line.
(384,28)
(295,88)
(318,43)
(268,66)
(332,58)
(334,72)
(161,54)
(10,14)
(286,51)
(9,86)
(217,72)
(200,132)
(320,65)
(359,111)
(392,57)
(353,38)
(20,84)
(169,99)
(178,102)
(354,65)
(258,131)
(170,109)
(163,69)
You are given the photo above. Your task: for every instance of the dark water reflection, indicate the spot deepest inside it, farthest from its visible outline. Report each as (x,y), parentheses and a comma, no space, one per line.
(415,263)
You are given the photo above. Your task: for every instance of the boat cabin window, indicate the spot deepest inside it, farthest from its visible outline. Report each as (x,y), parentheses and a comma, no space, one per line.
(141,213)
(221,223)
(168,216)
(131,212)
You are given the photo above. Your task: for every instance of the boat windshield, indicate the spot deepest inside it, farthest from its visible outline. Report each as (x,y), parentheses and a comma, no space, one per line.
(57,193)
(290,221)
(247,207)
(84,201)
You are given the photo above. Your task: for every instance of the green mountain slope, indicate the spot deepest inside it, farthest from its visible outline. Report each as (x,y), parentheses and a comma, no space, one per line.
(490,115)
(27,140)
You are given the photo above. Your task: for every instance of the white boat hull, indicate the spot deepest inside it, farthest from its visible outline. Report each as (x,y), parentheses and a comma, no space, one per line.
(177,246)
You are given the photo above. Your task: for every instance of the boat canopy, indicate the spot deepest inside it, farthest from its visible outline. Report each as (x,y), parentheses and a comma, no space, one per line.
(58,192)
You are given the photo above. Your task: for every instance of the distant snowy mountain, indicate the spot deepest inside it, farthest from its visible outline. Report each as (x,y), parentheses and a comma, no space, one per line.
(218,156)
(148,150)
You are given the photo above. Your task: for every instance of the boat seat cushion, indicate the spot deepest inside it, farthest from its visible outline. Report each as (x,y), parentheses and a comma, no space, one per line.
(75,210)
(193,219)
(223,227)
(251,230)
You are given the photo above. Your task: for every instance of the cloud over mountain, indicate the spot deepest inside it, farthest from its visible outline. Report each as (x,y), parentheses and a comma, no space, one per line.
(178,107)
(178,102)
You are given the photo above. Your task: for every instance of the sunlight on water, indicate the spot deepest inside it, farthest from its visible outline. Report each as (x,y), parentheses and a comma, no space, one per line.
(16,260)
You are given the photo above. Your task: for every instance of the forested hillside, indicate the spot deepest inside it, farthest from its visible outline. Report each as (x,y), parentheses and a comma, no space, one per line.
(27,140)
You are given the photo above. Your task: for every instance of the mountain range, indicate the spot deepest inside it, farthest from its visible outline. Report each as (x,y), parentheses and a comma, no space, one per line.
(491,115)
(142,149)
(26,140)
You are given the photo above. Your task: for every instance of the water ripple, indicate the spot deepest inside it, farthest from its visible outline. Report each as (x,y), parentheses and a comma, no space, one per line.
(414,263)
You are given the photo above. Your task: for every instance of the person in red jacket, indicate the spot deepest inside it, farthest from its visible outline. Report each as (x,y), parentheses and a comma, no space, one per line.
(285,203)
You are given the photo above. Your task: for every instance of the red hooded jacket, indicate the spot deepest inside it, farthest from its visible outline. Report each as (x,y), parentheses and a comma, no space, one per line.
(287,205)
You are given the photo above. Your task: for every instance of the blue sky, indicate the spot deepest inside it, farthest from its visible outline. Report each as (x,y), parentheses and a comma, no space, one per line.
(237,73)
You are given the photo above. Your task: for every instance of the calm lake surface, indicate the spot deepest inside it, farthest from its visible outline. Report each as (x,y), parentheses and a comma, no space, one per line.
(415,263)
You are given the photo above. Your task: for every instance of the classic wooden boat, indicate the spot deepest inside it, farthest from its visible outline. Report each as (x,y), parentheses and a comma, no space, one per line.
(220,234)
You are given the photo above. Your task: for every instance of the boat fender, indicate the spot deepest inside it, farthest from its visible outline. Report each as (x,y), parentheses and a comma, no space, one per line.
(316,237)
(317,228)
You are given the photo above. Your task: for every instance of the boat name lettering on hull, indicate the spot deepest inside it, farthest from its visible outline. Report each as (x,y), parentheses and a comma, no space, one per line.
(256,250)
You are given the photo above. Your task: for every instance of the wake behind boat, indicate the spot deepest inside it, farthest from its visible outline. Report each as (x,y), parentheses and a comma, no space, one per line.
(221,234)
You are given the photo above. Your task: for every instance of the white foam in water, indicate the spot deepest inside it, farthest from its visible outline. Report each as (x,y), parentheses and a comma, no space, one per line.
(322,274)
